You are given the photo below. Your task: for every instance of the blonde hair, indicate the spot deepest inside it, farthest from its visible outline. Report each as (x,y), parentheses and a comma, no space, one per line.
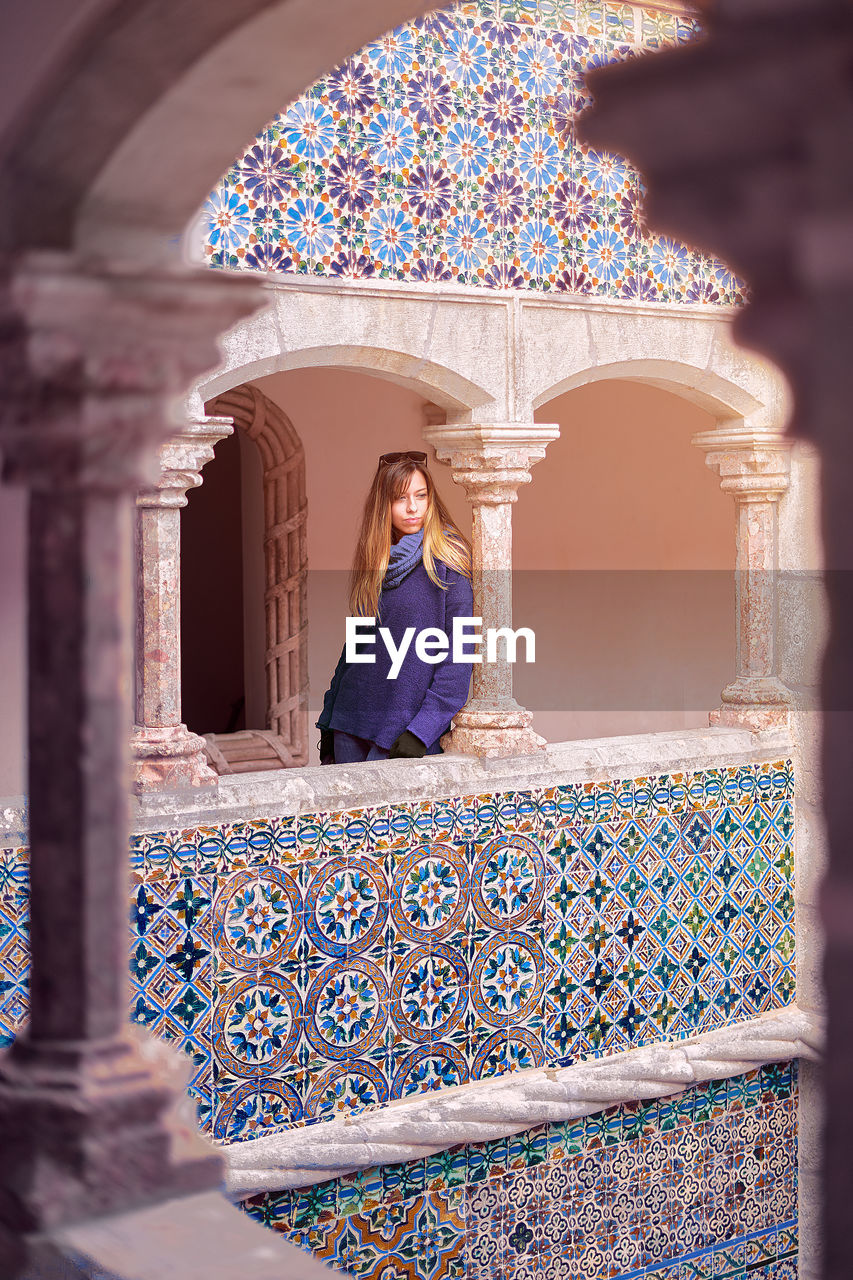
(442,539)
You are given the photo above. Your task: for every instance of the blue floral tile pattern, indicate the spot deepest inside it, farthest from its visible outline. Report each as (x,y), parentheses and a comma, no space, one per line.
(446,152)
(699,1186)
(257,919)
(346,905)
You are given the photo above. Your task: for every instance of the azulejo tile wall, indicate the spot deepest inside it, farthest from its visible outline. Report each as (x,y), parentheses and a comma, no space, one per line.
(698,1186)
(446,151)
(327,962)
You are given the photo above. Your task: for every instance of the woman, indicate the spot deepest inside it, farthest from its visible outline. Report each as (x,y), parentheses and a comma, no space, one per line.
(412,568)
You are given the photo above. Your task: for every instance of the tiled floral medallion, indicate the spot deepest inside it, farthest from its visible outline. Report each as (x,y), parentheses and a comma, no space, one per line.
(446,152)
(695,1187)
(322,963)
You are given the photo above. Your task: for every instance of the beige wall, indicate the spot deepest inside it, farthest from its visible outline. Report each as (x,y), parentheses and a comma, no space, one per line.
(623,487)
(641,635)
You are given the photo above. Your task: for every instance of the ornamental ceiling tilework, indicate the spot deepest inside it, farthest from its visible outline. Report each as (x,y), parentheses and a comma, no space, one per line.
(326,962)
(446,152)
(696,1186)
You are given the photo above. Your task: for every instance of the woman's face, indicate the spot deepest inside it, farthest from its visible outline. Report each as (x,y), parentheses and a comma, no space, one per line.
(409,512)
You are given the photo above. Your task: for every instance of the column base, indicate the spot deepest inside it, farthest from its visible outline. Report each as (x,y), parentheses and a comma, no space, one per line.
(94,1127)
(169,759)
(493,727)
(756,703)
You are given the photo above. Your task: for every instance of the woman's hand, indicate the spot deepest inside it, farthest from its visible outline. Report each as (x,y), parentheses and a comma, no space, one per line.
(407,747)
(327,746)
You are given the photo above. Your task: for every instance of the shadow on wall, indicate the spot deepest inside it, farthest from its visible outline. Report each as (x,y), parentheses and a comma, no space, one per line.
(213,693)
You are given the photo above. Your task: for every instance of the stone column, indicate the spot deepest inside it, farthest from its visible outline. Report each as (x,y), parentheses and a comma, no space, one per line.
(165,754)
(490,461)
(754,467)
(94,363)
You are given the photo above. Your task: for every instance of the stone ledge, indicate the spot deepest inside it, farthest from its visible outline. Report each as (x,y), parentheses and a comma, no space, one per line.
(334,788)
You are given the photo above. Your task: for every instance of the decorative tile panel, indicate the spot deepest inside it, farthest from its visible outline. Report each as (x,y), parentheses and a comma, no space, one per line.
(697,1186)
(327,962)
(14,942)
(446,152)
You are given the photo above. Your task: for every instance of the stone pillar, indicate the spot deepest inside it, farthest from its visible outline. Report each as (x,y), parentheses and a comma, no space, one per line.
(490,461)
(754,467)
(95,362)
(165,754)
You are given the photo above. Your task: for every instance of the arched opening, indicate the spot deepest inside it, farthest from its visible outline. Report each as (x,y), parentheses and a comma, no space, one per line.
(246,691)
(280,515)
(623,552)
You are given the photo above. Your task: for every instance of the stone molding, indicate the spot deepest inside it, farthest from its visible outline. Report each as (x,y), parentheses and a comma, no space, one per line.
(181,461)
(754,465)
(488,1109)
(487,356)
(323,790)
(490,461)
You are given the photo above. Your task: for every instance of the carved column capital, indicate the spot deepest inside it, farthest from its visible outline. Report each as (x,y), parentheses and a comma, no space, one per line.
(96,359)
(754,466)
(182,458)
(490,460)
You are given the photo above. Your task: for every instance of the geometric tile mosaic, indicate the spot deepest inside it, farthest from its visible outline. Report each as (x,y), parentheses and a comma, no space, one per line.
(697,1186)
(446,152)
(321,963)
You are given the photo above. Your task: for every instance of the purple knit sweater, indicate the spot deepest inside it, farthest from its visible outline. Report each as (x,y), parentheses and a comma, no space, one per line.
(424,698)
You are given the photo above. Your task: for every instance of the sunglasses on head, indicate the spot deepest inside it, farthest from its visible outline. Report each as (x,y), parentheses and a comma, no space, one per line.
(412,455)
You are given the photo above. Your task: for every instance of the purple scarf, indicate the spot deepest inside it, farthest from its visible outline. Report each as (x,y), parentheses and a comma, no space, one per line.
(406,555)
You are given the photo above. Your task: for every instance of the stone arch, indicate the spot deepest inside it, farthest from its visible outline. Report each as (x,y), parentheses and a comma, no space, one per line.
(452,351)
(187,85)
(690,354)
(705,388)
(285,560)
(433,381)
